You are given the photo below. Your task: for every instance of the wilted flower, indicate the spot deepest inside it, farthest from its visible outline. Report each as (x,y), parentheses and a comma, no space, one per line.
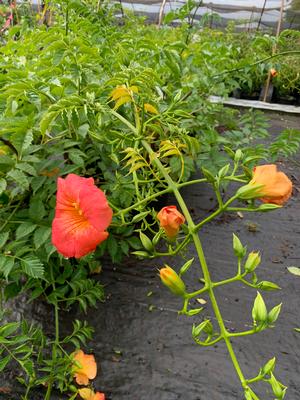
(81,217)
(89,394)
(170,220)
(172,280)
(277,187)
(84,367)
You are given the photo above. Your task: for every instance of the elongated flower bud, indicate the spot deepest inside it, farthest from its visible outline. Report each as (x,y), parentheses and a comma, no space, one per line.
(239,249)
(278,388)
(172,280)
(252,261)
(268,367)
(259,311)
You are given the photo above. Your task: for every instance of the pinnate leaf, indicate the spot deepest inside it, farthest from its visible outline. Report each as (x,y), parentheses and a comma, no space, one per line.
(33,267)
(19,177)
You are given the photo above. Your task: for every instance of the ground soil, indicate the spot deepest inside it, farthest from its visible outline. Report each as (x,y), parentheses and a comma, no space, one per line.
(145,350)
(158,359)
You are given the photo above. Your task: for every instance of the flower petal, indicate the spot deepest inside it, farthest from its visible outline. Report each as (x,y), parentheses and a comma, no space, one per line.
(170,220)
(81,379)
(85,367)
(86,394)
(95,208)
(75,242)
(99,396)
(89,394)
(68,190)
(277,187)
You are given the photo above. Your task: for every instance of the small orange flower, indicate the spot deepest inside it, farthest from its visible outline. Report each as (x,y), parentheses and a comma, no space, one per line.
(273,72)
(170,220)
(277,187)
(84,367)
(89,394)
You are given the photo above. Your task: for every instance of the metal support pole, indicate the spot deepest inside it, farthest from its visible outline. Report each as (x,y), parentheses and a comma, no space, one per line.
(274,49)
(161,12)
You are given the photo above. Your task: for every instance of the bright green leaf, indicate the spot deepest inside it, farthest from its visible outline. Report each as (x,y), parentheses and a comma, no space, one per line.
(294,270)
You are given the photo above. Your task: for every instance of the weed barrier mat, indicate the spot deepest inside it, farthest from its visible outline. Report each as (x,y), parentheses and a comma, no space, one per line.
(145,350)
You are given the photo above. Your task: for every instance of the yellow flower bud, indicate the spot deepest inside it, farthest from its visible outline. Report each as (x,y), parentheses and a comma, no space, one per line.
(172,280)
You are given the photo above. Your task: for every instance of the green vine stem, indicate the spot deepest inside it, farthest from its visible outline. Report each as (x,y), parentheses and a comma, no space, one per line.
(7,220)
(67,16)
(55,344)
(193,234)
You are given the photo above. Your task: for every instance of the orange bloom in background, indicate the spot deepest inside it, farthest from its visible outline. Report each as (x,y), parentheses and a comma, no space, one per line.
(51,173)
(273,72)
(277,187)
(170,220)
(84,367)
(89,394)
(82,214)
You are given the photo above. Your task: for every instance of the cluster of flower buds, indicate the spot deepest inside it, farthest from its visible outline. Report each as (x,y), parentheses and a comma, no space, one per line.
(261,317)
(170,221)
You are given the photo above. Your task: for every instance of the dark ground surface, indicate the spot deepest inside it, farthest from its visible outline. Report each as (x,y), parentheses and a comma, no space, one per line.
(145,350)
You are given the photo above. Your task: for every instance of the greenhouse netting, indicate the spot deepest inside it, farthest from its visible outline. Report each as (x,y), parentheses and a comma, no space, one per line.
(248,14)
